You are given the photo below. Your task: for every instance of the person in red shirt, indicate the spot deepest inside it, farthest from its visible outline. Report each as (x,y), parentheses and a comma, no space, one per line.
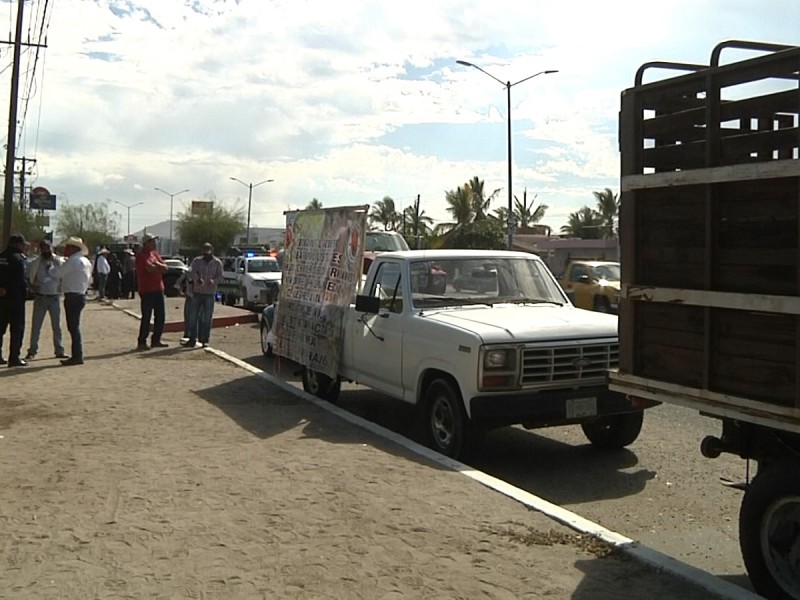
(150,268)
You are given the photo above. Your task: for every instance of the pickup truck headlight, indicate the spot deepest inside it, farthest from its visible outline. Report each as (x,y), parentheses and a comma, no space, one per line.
(496,359)
(498,369)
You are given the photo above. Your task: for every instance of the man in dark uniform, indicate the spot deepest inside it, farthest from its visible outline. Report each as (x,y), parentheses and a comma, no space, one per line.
(13,293)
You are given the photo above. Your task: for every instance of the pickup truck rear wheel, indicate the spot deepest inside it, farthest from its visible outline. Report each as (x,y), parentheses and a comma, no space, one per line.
(320,385)
(612,432)
(445,421)
(769,531)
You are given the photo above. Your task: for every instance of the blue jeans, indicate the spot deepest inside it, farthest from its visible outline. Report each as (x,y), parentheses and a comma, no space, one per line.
(73,307)
(102,280)
(43,305)
(152,303)
(200,316)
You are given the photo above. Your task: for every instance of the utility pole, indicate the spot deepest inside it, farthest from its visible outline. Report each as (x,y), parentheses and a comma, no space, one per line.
(8,198)
(22,173)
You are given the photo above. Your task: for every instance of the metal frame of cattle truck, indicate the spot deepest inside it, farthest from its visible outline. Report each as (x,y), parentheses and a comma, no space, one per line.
(710,303)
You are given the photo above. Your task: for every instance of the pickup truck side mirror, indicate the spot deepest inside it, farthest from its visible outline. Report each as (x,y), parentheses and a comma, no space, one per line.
(240,270)
(368,304)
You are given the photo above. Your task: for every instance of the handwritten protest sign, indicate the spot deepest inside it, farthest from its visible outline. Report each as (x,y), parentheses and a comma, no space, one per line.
(321,268)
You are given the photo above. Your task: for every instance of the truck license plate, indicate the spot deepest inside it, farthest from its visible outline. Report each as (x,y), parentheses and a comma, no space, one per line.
(581,407)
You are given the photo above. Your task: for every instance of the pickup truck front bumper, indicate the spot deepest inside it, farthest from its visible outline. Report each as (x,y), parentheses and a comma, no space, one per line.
(550,407)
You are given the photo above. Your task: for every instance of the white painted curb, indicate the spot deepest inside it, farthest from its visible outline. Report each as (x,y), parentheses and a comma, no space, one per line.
(657,560)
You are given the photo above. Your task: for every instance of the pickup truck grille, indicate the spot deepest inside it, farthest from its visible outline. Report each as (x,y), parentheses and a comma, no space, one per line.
(568,363)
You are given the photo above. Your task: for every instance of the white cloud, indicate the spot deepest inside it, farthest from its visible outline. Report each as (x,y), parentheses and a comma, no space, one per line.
(135,94)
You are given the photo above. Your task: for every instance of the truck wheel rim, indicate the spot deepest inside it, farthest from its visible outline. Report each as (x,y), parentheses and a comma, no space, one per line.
(442,422)
(780,543)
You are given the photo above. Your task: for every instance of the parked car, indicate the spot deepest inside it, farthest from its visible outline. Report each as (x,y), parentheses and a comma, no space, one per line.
(175,268)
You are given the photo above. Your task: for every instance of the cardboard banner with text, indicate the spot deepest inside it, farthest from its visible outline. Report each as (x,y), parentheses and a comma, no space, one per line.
(321,269)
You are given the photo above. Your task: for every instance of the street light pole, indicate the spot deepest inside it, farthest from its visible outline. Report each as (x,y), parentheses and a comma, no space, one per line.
(171,198)
(129,207)
(250,187)
(508,85)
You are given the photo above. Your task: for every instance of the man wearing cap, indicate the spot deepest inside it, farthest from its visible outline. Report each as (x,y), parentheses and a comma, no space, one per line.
(13,293)
(150,269)
(75,273)
(206,273)
(46,300)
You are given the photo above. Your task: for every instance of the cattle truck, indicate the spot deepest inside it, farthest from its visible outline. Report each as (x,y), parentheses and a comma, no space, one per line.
(709,314)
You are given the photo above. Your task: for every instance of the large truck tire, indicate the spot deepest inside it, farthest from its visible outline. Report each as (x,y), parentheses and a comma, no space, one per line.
(769,531)
(446,427)
(320,385)
(612,432)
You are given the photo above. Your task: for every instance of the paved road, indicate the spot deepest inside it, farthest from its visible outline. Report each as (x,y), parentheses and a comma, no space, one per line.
(660,491)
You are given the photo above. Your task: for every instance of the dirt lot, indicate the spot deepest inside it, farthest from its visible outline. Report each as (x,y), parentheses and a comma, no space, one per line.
(173,473)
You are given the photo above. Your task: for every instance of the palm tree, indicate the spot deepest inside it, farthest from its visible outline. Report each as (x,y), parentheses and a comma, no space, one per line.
(608,209)
(460,207)
(314,204)
(585,223)
(525,214)
(417,223)
(500,215)
(384,212)
(480,203)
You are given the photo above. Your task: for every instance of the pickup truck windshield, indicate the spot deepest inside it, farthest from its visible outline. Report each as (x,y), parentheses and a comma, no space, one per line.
(263,266)
(455,282)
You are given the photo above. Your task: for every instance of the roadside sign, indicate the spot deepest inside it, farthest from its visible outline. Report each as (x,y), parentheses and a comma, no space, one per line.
(42,199)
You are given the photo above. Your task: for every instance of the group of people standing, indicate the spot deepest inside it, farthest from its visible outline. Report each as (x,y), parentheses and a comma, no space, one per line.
(48,277)
(199,285)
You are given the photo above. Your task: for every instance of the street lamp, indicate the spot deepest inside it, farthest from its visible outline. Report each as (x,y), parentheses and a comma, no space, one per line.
(171,198)
(129,207)
(508,85)
(250,187)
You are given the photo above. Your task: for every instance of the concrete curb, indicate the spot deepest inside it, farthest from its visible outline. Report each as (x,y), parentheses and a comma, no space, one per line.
(653,558)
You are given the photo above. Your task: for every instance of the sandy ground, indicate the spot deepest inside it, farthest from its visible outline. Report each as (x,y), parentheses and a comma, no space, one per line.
(173,474)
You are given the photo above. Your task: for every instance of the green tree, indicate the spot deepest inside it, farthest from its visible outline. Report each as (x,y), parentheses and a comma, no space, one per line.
(460,207)
(480,203)
(525,214)
(608,210)
(314,204)
(96,223)
(24,222)
(416,224)
(384,213)
(584,223)
(484,234)
(218,226)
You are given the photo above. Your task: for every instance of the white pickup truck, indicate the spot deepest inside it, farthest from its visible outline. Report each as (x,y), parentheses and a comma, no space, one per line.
(477,340)
(253,279)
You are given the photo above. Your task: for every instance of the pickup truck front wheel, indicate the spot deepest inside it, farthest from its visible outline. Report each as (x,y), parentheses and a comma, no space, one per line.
(769,531)
(446,423)
(320,385)
(612,432)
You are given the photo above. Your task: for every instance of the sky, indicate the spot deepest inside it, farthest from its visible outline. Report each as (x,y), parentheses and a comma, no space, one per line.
(344,101)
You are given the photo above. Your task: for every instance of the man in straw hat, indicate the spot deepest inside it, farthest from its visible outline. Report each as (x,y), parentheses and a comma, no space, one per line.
(150,269)
(102,269)
(75,274)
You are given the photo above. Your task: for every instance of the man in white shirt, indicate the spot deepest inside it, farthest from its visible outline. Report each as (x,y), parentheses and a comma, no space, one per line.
(75,274)
(46,300)
(102,269)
